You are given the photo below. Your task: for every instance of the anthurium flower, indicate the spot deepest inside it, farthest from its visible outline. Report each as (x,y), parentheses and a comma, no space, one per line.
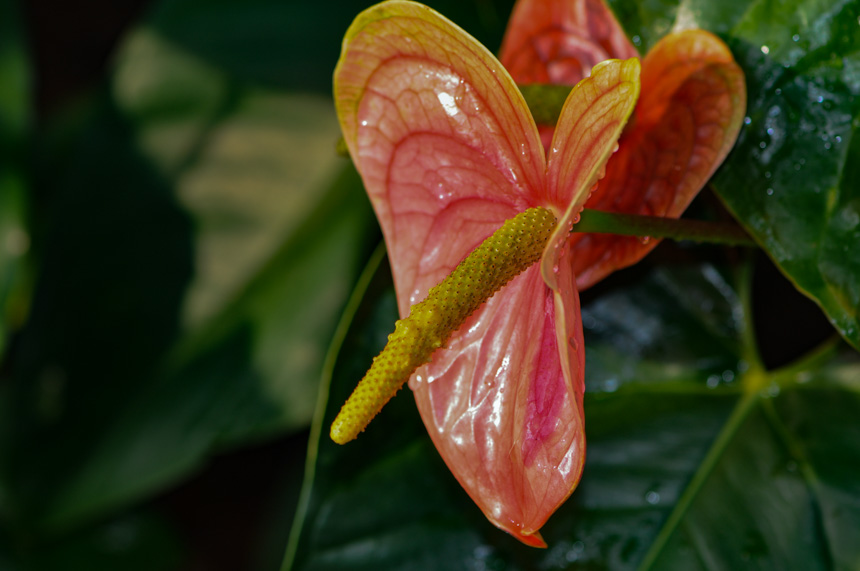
(448,151)
(687,119)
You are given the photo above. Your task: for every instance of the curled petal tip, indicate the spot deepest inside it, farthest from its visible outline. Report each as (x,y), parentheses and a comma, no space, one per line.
(532,539)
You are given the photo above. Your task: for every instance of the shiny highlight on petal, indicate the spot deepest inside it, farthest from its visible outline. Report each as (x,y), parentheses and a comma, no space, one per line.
(518,244)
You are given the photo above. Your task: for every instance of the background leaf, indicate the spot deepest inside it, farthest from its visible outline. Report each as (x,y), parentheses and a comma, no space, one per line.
(799,153)
(185,215)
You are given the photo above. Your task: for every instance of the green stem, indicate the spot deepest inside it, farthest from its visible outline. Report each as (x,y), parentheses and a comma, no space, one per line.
(600,222)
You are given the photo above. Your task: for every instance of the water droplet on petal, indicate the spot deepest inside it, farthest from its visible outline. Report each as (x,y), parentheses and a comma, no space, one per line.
(524,151)
(644,239)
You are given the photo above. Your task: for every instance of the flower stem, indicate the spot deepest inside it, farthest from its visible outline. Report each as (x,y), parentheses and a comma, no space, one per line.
(600,222)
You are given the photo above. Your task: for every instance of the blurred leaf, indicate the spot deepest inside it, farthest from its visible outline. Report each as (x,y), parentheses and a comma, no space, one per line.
(251,374)
(294,44)
(14,135)
(202,237)
(685,439)
(793,179)
(138,541)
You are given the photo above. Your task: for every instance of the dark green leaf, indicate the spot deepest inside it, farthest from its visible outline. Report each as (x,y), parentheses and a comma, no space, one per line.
(781,493)
(793,179)
(293,44)
(131,542)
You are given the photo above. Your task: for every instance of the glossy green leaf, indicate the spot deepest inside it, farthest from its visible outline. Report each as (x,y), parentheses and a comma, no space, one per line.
(201,238)
(792,180)
(696,458)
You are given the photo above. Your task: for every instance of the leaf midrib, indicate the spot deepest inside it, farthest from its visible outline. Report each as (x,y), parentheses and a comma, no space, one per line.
(784,377)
